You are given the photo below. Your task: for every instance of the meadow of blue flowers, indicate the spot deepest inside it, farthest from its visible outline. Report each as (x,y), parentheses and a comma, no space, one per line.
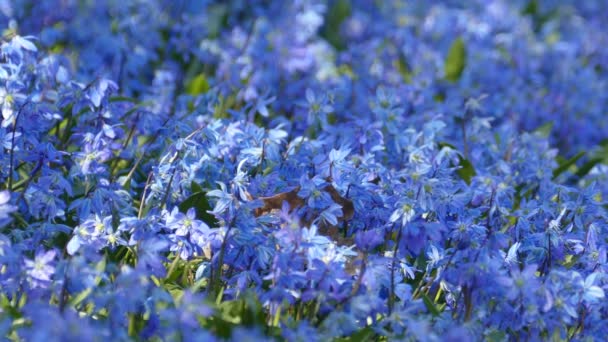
(305,170)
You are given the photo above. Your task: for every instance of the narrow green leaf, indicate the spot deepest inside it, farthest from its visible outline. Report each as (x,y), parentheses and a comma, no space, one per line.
(439,97)
(442,144)
(456,60)
(531,8)
(80,297)
(567,164)
(195,187)
(8,308)
(430,305)
(584,170)
(198,85)
(337,13)
(199,202)
(246,311)
(135,325)
(466,170)
(123,99)
(101,265)
(545,130)
(216,19)
(539,18)
(363,335)
(176,291)
(404,68)
(496,336)
(219,327)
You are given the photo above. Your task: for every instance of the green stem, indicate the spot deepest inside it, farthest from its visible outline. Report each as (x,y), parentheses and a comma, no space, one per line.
(172,267)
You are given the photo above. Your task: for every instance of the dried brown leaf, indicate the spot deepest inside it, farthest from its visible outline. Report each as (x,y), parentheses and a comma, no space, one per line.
(292,199)
(276,202)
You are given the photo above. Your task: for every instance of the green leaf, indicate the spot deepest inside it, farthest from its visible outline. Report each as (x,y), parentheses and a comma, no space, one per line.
(598,156)
(220,111)
(430,305)
(443,144)
(198,201)
(80,297)
(176,291)
(363,335)
(563,166)
(216,20)
(466,170)
(136,324)
(496,336)
(101,265)
(247,311)
(404,68)
(195,187)
(456,60)
(584,170)
(337,13)
(539,19)
(219,326)
(569,261)
(531,8)
(439,97)
(545,130)
(198,85)
(123,99)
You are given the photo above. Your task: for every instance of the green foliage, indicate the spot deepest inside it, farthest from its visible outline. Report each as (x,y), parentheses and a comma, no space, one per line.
(598,156)
(456,60)
(567,164)
(198,85)
(585,168)
(434,310)
(466,171)
(363,335)
(246,311)
(545,129)
(217,19)
(404,68)
(198,201)
(539,19)
(496,336)
(531,8)
(338,12)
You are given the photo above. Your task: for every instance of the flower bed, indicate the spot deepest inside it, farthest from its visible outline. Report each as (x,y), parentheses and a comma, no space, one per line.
(303,170)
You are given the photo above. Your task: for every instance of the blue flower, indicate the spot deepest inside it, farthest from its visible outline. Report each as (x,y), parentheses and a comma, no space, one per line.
(91,233)
(591,292)
(311,189)
(368,240)
(41,270)
(5,207)
(403,214)
(318,107)
(225,200)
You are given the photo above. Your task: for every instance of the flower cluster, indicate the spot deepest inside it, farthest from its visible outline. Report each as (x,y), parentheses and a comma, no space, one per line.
(303,170)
